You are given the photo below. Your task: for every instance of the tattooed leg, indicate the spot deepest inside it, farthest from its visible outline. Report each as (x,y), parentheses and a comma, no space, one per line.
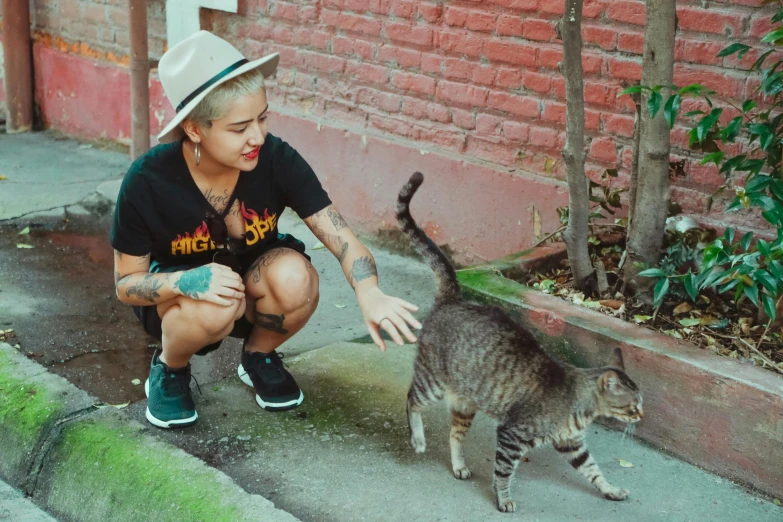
(462,414)
(579,457)
(282,290)
(424,390)
(510,448)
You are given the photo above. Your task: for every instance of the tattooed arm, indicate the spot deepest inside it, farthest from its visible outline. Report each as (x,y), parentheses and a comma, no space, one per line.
(379,310)
(135,286)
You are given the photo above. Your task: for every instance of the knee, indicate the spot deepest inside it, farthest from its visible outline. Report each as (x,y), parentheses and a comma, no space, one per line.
(214,320)
(293,283)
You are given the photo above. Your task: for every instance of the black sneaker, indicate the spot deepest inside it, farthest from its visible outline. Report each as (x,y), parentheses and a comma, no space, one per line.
(169,403)
(276,389)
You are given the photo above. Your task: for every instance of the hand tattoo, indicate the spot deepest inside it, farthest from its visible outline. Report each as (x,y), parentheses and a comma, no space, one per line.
(363,268)
(271,322)
(194,282)
(337,220)
(146,289)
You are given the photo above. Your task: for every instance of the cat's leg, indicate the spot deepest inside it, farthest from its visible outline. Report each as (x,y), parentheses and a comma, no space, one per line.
(579,457)
(424,390)
(462,414)
(510,448)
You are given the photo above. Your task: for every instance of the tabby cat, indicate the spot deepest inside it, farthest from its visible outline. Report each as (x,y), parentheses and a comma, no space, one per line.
(481,359)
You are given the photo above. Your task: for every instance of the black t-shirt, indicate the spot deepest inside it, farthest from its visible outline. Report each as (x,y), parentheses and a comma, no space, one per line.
(160,209)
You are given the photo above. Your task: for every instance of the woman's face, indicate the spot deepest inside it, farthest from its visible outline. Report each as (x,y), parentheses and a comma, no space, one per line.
(235,139)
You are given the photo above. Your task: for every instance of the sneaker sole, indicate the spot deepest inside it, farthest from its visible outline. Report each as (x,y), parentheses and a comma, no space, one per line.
(182,423)
(269,406)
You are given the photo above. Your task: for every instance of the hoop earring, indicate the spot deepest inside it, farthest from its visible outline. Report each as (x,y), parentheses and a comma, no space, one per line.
(198,154)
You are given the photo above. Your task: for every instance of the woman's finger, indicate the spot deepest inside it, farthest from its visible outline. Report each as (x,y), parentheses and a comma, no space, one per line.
(387,325)
(405,304)
(402,327)
(376,336)
(409,318)
(216,299)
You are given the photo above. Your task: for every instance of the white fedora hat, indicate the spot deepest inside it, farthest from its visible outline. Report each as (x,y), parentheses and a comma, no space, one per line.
(194,67)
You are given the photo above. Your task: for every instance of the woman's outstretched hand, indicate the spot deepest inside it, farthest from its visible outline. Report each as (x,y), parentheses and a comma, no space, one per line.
(390,313)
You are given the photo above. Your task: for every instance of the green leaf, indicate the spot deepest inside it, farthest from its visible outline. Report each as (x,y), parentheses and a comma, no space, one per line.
(728,286)
(773,218)
(748,105)
(776,187)
(694,88)
(766,137)
(752,292)
(693,113)
(633,89)
(661,289)
(706,123)
(654,105)
(734,48)
(653,272)
(777,269)
(715,157)
(732,163)
(758,63)
(757,183)
(763,247)
(766,279)
(769,306)
(778,16)
(745,241)
(642,318)
(773,36)
(691,286)
(689,322)
(772,84)
(729,235)
(671,109)
(732,130)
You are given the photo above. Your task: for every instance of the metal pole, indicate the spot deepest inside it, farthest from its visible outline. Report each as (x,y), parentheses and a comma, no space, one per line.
(18,65)
(140,72)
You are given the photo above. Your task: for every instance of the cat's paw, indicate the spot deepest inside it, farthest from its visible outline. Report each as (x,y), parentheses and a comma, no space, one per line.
(462,473)
(507,505)
(419,443)
(616,493)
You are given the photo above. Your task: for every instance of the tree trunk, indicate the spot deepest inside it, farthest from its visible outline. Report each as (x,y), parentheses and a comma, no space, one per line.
(576,232)
(651,199)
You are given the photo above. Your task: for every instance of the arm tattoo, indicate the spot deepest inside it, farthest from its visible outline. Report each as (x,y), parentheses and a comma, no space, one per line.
(146,289)
(363,268)
(143,259)
(271,322)
(343,253)
(194,282)
(337,220)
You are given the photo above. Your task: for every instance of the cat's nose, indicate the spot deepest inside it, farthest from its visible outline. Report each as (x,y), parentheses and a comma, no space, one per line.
(640,411)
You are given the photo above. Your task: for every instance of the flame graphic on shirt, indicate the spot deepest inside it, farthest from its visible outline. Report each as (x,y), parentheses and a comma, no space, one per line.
(256,227)
(198,242)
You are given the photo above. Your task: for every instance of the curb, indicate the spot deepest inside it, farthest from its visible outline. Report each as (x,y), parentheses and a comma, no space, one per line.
(711,411)
(85,463)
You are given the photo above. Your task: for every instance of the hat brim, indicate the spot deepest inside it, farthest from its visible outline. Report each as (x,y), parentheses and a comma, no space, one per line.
(173,131)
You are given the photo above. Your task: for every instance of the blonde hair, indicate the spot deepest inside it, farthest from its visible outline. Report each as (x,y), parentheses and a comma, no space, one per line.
(215,104)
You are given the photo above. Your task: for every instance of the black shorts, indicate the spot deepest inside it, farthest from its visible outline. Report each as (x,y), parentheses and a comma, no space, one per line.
(148,315)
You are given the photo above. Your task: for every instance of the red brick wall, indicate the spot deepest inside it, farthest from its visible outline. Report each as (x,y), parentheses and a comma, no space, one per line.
(471,77)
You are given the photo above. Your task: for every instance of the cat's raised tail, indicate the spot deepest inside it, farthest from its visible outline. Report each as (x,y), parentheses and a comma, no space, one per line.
(446,278)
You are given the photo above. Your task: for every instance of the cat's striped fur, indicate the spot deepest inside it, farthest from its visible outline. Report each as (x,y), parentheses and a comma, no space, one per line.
(481,359)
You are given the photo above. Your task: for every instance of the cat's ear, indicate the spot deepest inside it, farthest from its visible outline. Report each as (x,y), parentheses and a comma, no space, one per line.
(616,359)
(608,381)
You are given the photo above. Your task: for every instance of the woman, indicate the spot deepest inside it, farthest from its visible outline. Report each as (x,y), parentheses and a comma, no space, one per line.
(197,250)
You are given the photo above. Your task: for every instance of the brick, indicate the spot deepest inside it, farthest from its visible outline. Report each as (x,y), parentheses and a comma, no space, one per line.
(549,58)
(334,4)
(511,52)
(481,21)
(406,58)
(94,14)
(514,104)
(592,119)
(515,131)
(543,137)
(460,43)
(558,87)
(463,119)
(603,37)
(458,69)
(551,6)
(618,124)
(695,51)
(483,75)
(323,62)
(488,125)
(509,26)
(361,6)
(363,49)
(302,36)
(282,33)
(627,12)
(604,150)
(517,5)
(725,84)
(461,93)
(119,16)
(538,30)
(404,9)
(593,8)
(413,82)
(591,63)
(490,149)
(431,63)
(624,69)
(416,34)
(305,81)
(382,100)
(367,72)
(509,78)
(455,16)
(430,12)
(360,24)
(600,94)
(554,112)
(391,125)
(319,39)
(308,14)
(284,10)
(437,112)
(414,107)
(711,21)
(537,82)
(631,42)
(760,25)
(342,46)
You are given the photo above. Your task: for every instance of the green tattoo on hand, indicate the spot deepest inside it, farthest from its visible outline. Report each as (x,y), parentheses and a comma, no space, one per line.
(194,282)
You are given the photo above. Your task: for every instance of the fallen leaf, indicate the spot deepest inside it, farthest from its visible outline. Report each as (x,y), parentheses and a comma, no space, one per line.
(549,163)
(745,323)
(24,231)
(525,459)
(682,308)
(591,304)
(85,146)
(135,382)
(642,318)
(625,463)
(689,322)
(673,333)
(120,406)
(614,304)
(339,305)
(776,502)
(318,246)
(22,245)
(3,178)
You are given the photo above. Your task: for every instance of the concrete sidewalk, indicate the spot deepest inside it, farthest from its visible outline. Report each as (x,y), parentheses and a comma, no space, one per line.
(342,456)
